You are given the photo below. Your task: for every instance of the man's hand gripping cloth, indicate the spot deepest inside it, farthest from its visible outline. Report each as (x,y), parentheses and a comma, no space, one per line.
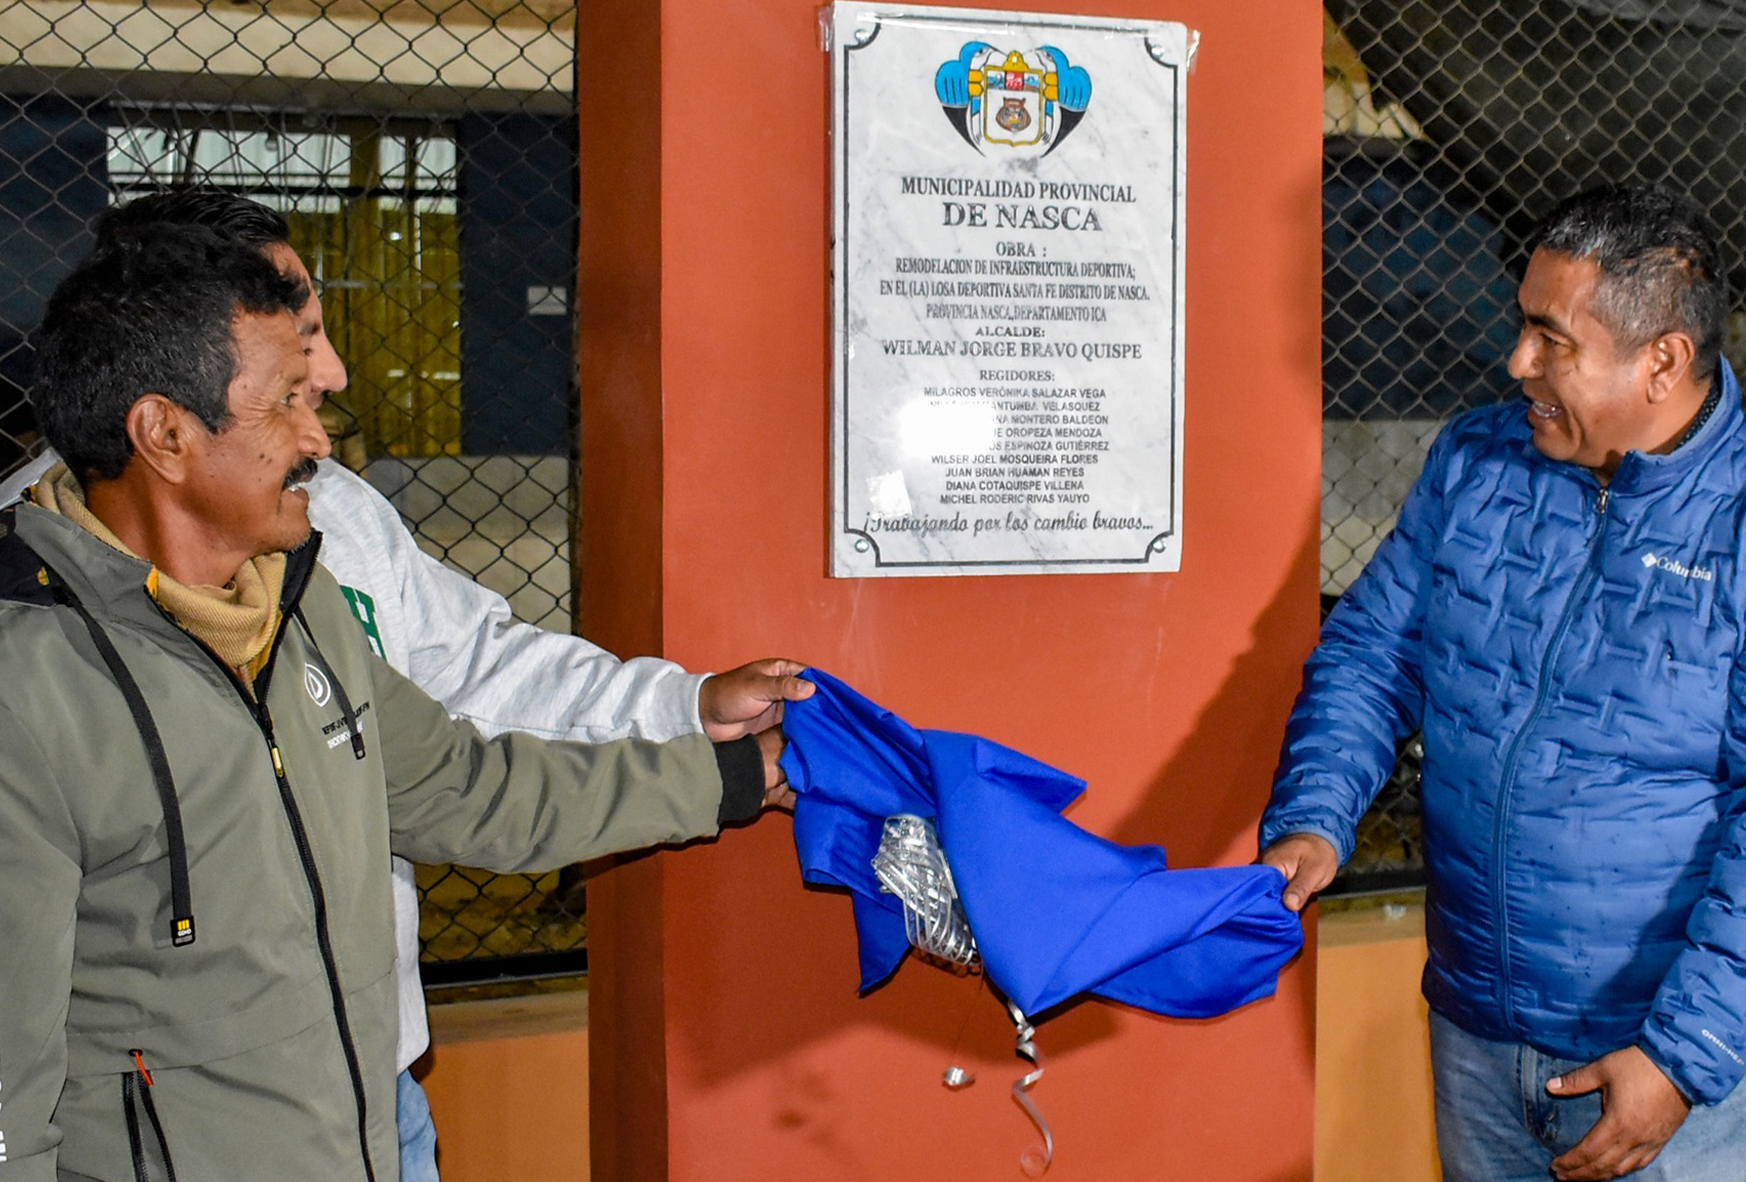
(1055,911)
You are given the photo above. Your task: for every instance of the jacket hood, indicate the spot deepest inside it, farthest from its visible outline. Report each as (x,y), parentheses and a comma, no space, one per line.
(103,577)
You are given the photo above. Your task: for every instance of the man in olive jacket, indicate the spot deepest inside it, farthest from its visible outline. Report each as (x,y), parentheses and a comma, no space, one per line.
(203,767)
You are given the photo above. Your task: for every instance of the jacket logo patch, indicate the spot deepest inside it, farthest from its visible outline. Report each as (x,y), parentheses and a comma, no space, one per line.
(1674,566)
(1726,1049)
(315,681)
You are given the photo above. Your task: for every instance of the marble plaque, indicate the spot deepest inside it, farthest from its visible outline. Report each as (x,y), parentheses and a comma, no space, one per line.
(1007,286)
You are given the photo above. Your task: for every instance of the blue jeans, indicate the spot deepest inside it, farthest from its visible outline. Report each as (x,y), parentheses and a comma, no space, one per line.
(1497,1123)
(417,1134)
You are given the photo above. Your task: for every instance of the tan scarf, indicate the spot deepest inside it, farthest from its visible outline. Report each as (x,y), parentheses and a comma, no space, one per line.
(237,621)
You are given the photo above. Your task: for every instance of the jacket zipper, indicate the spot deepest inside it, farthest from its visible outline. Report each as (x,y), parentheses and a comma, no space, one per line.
(136,1091)
(257,708)
(1501,818)
(322,938)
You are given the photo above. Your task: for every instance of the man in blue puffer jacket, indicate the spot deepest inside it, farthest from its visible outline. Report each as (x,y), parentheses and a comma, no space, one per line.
(1560,609)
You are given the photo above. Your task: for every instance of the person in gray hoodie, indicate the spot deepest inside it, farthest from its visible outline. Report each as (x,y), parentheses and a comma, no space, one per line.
(203,765)
(455,638)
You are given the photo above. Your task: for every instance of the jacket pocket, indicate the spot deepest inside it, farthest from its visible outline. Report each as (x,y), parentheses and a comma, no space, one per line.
(136,1094)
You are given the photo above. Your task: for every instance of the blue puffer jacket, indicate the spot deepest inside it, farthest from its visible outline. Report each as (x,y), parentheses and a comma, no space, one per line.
(1573,656)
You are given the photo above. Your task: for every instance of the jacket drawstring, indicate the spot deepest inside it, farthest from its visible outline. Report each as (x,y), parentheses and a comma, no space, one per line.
(347,714)
(181,895)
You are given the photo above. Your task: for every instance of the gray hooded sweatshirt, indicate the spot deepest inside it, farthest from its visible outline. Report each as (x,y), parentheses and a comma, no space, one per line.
(264,1046)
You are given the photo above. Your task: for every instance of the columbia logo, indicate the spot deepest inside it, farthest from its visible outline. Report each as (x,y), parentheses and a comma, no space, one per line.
(1674,566)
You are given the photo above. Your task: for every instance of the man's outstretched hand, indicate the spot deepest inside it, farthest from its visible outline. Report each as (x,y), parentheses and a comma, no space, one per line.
(1308,862)
(749,699)
(1640,1112)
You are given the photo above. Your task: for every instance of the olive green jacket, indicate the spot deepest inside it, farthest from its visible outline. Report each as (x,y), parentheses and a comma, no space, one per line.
(262,1048)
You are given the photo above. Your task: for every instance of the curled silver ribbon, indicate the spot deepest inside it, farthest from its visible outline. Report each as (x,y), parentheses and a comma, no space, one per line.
(911,865)
(1036,1160)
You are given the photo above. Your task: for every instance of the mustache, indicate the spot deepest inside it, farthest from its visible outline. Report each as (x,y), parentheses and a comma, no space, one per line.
(303,473)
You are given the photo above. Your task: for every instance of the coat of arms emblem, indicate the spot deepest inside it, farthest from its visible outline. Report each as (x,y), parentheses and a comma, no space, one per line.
(1030,99)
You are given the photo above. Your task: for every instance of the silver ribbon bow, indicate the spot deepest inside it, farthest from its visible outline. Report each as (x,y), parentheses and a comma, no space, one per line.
(911,865)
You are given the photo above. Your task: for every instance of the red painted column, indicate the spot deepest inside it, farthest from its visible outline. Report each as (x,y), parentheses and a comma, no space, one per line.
(728,1039)
(620,539)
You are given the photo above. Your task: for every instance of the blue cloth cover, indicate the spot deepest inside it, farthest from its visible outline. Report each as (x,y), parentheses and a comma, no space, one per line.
(1056,911)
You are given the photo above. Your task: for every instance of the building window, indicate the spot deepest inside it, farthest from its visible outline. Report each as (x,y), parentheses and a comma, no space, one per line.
(374,210)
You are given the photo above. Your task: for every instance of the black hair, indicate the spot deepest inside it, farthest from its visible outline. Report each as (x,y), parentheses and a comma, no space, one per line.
(150,311)
(230,214)
(1660,261)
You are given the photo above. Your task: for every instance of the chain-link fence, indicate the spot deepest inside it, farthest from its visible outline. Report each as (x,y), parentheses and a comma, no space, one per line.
(424,152)
(1451,127)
